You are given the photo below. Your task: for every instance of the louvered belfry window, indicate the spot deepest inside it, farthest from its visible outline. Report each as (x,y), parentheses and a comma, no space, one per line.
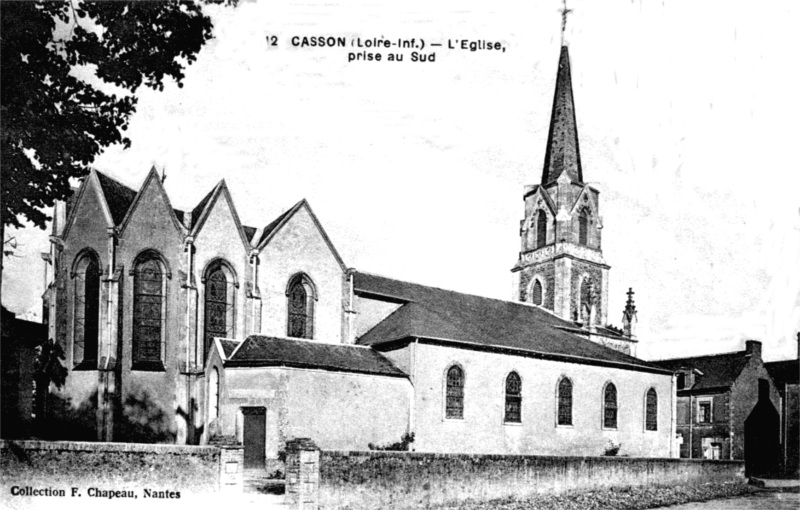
(651,410)
(583,228)
(610,406)
(565,402)
(87,310)
(541,229)
(513,398)
(455,393)
(301,308)
(536,297)
(148,311)
(219,304)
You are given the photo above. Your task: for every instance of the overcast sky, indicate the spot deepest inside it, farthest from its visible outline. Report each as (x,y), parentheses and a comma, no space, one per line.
(687,115)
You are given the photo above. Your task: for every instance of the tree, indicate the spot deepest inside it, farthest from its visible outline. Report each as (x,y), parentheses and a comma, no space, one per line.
(70,72)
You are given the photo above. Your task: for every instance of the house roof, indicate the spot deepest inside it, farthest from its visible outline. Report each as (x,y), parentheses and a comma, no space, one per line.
(228,346)
(265,351)
(784,372)
(478,322)
(118,196)
(717,371)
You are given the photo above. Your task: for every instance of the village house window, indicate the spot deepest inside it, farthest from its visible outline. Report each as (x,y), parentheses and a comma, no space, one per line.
(583,228)
(536,293)
(301,296)
(149,292)
(454,405)
(513,398)
(86,311)
(219,303)
(681,381)
(564,399)
(651,410)
(610,406)
(541,229)
(213,394)
(704,411)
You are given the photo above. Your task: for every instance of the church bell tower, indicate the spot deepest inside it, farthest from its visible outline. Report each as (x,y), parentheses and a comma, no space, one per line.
(561,266)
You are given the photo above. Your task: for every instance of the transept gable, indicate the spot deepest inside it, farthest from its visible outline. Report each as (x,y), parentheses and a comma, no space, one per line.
(276,226)
(89,192)
(153,202)
(220,202)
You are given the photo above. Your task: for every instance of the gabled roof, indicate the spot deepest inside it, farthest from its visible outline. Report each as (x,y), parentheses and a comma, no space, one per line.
(717,371)
(265,351)
(468,321)
(542,192)
(784,372)
(200,207)
(203,209)
(153,177)
(118,196)
(275,225)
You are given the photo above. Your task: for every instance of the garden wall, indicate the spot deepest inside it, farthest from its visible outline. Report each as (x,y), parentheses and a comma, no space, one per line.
(120,466)
(414,480)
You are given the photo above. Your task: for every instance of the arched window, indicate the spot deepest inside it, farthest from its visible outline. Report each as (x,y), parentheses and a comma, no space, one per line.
(564,399)
(213,394)
(651,410)
(87,311)
(586,291)
(541,229)
(513,398)
(583,227)
(219,310)
(301,296)
(149,292)
(454,408)
(536,293)
(610,406)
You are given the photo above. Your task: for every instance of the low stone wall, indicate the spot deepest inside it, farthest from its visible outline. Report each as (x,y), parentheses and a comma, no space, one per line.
(414,480)
(86,466)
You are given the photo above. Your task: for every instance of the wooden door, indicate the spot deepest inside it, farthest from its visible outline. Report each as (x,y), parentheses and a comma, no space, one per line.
(255,426)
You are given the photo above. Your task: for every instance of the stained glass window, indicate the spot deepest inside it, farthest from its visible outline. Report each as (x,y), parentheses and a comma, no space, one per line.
(219,309)
(541,229)
(513,398)
(301,308)
(148,311)
(610,406)
(565,402)
(87,310)
(583,228)
(454,407)
(536,296)
(651,410)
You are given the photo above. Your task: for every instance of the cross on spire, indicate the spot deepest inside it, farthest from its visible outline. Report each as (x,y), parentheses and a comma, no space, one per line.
(564,12)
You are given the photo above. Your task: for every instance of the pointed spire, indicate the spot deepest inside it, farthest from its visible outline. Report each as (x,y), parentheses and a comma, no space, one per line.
(563,154)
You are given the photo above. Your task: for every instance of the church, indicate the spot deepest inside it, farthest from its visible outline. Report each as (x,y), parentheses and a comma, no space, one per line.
(188,326)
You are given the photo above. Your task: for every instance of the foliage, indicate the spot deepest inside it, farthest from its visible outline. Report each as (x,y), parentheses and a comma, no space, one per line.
(400,446)
(70,71)
(48,365)
(612,448)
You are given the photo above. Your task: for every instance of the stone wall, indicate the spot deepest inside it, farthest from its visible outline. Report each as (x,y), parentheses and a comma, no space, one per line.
(120,466)
(416,480)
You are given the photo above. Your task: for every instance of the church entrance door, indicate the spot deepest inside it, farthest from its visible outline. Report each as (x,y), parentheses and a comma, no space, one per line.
(255,427)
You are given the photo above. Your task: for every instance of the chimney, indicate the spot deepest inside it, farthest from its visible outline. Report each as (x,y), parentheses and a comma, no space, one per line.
(629,318)
(753,347)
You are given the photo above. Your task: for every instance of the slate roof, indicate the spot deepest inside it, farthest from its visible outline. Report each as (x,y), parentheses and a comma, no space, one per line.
(784,372)
(198,210)
(264,351)
(479,322)
(118,196)
(249,232)
(228,346)
(277,221)
(719,371)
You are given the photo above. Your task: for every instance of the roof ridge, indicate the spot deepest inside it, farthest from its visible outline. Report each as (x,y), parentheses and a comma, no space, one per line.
(698,357)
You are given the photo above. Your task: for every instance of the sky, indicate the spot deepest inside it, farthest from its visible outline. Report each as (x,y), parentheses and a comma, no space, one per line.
(686,116)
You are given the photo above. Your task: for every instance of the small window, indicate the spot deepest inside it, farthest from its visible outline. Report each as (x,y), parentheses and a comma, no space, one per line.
(513,398)
(455,393)
(610,406)
(301,296)
(704,409)
(651,410)
(87,312)
(681,381)
(541,229)
(564,399)
(536,293)
(583,228)
(148,313)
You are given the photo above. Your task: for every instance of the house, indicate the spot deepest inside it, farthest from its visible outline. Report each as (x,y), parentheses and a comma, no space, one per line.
(785,377)
(185,325)
(726,405)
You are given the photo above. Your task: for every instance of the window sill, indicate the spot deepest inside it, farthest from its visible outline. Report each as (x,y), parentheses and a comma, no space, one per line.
(86,365)
(564,426)
(148,366)
(453,420)
(610,429)
(512,423)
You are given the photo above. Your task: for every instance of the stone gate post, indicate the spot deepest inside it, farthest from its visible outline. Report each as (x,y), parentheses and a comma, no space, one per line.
(302,474)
